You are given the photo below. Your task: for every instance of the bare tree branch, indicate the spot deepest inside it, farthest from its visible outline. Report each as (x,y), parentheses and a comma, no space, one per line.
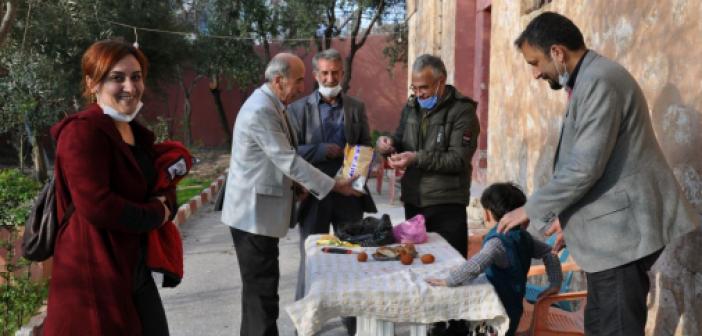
(357,25)
(331,22)
(343,24)
(378,13)
(355,44)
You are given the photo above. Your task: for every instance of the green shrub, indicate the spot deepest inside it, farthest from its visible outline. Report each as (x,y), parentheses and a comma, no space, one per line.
(19,296)
(16,194)
(20,301)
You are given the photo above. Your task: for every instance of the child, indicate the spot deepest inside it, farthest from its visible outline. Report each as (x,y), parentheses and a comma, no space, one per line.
(506,258)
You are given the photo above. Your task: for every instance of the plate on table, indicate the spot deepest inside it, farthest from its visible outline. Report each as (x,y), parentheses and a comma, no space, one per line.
(388,253)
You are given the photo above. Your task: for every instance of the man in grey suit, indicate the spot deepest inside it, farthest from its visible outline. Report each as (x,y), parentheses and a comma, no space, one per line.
(259,195)
(324,123)
(612,195)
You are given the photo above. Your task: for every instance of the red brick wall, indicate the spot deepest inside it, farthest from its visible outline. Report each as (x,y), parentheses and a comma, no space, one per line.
(383,94)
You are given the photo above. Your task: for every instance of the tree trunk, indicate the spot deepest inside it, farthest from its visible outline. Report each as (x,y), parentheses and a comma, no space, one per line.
(187,107)
(266,49)
(356,45)
(187,110)
(40,170)
(348,68)
(7,19)
(217,96)
(37,150)
(318,42)
(21,153)
(331,22)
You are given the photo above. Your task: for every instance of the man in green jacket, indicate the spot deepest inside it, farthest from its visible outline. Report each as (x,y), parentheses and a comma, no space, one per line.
(434,144)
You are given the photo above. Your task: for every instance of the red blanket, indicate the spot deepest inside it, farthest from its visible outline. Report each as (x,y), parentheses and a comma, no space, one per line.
(164,253)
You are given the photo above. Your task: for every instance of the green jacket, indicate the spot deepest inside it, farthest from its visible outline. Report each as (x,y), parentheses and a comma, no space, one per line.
(445,139)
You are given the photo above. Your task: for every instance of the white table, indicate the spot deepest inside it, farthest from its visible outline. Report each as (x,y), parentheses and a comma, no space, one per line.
(382,293)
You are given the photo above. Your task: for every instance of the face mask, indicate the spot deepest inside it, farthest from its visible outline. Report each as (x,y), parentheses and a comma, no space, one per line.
(429,103)
(564,77)
(329,92)
(116,116)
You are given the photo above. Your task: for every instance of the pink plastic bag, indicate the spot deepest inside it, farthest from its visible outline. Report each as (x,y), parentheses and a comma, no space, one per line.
(411,231)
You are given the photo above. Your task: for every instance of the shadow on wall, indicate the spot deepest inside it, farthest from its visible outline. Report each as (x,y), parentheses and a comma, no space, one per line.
(673,307)
(543,167)
(677,126)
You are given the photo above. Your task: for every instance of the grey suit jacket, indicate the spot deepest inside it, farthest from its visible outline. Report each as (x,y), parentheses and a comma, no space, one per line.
(612,188)
(306,122)
(264,163)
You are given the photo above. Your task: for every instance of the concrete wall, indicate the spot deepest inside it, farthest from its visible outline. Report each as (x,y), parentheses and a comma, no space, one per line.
(383,92)
(657,41)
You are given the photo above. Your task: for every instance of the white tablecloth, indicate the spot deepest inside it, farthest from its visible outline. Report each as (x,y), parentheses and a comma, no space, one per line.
(339,285)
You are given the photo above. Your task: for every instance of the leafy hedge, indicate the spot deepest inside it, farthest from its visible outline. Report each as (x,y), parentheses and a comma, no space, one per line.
(16,194)
(19,296)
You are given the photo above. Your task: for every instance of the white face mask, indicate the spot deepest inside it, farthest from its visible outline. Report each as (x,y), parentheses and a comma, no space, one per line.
(116,116)
(329,92)
(564,77)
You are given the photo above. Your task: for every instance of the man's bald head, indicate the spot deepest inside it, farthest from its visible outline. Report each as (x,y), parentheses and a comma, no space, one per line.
(285,74)
(281,64)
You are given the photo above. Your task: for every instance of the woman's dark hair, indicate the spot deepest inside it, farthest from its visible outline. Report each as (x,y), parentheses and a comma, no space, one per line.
(501,198)
(101,56)
(550,28)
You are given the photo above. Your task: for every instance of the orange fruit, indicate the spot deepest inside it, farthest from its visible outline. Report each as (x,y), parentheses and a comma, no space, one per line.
(362,257)
(427,258)
(406,259)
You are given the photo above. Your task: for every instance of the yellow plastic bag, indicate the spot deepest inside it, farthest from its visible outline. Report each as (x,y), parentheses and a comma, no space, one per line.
(331,240)
(357,161)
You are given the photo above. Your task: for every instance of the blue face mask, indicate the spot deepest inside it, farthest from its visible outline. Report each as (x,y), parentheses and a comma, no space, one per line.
(429,103)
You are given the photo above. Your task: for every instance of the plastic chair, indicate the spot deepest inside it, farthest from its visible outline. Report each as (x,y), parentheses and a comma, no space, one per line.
(545,319)
(380,173)
(533,290)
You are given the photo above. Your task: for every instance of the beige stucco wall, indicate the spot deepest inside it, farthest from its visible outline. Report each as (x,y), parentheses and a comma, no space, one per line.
(435,27)
(432,30)
(659,42)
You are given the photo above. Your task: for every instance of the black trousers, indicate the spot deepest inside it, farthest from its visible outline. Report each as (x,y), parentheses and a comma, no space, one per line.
(616,299)
(148,301)
(150,309)
(335,209)
(260,274)
(448,220)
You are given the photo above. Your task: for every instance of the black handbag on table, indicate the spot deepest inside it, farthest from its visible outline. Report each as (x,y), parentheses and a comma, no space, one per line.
(369,231)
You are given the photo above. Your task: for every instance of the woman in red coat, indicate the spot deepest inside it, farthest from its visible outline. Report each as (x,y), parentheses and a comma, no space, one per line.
(104,168)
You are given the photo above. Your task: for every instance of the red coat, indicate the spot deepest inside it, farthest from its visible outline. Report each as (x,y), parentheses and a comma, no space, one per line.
(97,251)
(165,247)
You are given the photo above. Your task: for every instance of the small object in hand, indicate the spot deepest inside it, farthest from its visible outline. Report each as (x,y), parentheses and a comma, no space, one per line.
(406,259)
(362,257)
(427,258)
